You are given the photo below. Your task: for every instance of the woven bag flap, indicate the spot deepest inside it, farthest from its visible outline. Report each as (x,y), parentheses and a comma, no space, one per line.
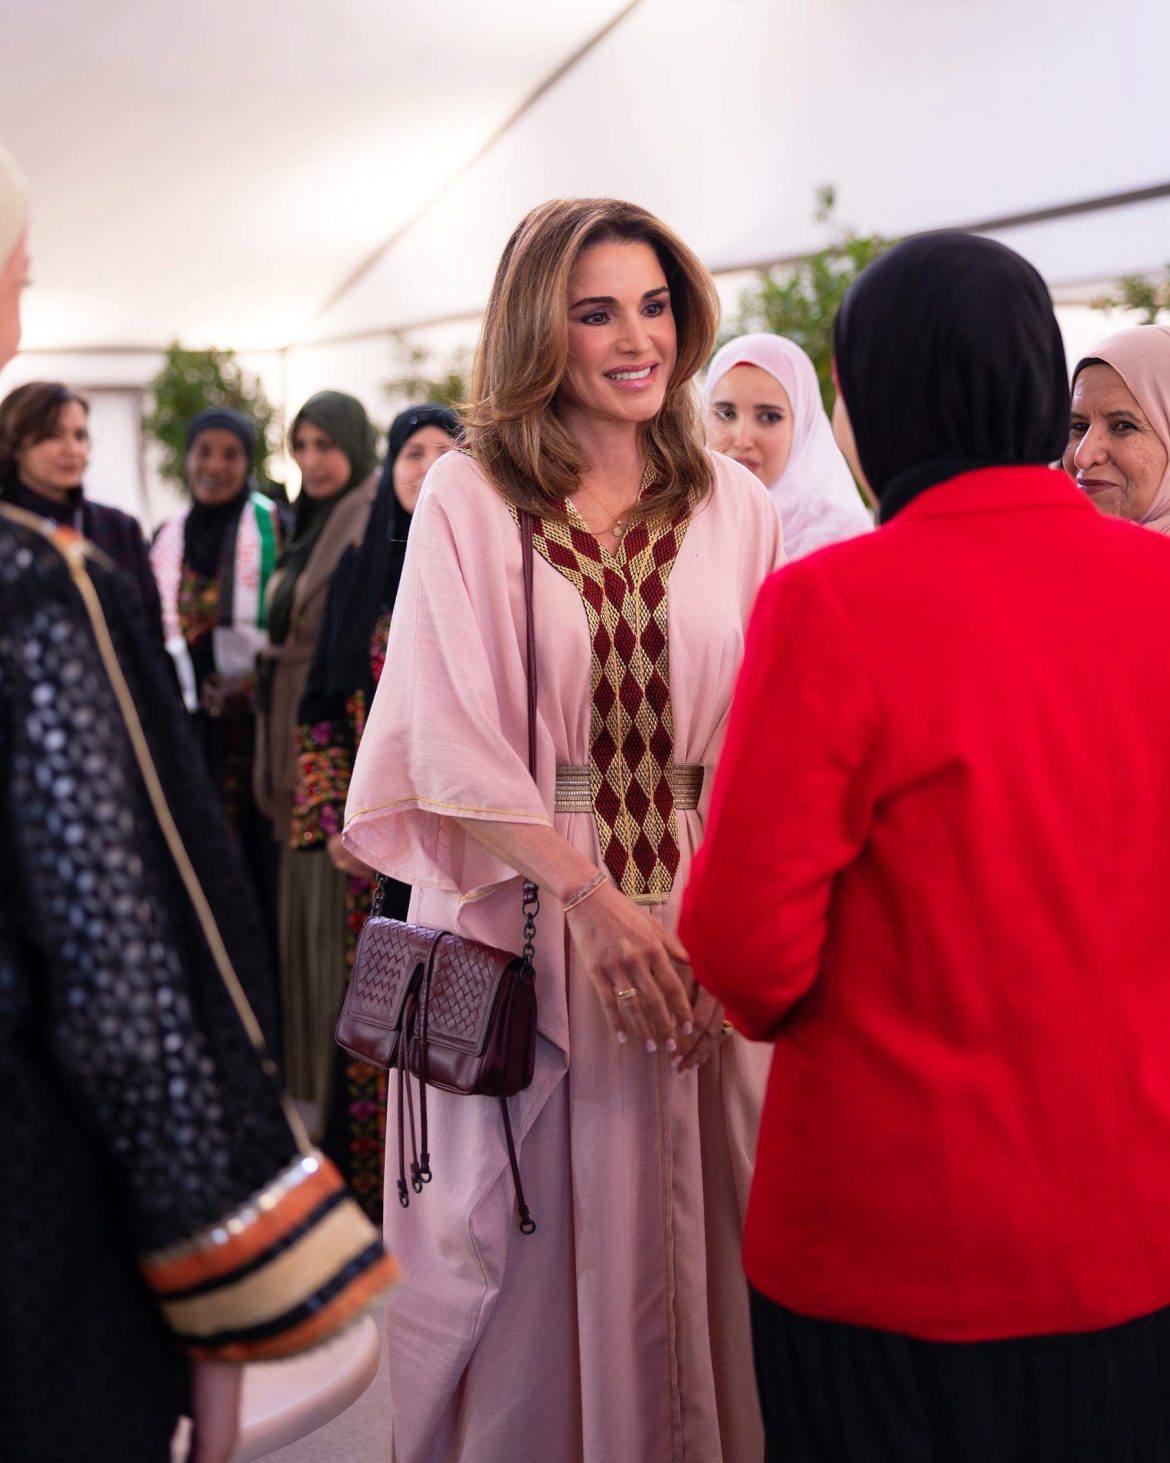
(464,979)
(388,954)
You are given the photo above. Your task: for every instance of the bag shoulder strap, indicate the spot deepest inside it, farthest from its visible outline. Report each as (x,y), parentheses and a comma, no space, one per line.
(527,528)
(530,900)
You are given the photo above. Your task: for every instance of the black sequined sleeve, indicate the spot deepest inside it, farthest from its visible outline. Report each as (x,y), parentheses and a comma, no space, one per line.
(249,1240)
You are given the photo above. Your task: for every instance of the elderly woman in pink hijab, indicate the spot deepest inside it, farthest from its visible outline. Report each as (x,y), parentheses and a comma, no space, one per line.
(764,409)
(1119,436)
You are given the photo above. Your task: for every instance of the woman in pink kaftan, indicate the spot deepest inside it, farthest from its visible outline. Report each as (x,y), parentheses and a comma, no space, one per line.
(619,1330)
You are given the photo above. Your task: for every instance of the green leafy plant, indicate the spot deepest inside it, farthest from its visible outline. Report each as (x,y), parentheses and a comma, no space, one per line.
(422,377)
(191,380)
(1136,292)
(800,299)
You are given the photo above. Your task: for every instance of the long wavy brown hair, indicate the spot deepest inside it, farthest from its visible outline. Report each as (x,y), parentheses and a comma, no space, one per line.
(513,426)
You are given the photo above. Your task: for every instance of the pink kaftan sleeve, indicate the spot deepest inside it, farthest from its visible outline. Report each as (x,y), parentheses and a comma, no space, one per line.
(447,733)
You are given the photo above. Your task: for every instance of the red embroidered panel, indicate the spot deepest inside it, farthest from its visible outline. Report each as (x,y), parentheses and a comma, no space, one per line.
(631,727)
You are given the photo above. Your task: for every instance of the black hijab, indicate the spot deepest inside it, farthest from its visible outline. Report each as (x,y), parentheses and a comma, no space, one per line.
(344,421)
(207,525)
(949,358)
(371,572)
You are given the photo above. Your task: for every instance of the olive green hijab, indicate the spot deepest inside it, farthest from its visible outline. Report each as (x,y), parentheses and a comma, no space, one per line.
(344,421)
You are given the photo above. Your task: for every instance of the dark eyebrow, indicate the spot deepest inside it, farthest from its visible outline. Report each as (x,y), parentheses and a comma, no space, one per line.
(662,289)
(756,405)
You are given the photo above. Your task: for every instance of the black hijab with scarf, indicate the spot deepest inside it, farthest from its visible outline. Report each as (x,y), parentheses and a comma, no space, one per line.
(344,421)
(367,579)
(205,529)
(949,359)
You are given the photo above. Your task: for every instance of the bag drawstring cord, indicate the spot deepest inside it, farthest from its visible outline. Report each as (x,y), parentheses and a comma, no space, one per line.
(414,1022)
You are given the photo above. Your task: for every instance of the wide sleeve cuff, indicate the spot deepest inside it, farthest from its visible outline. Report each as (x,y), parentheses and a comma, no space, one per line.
(324,768)
(280,1274)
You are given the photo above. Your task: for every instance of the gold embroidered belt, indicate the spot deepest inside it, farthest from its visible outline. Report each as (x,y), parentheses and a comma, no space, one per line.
(574,794)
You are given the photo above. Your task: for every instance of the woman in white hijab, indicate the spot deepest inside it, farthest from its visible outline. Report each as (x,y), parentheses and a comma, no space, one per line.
(764,409)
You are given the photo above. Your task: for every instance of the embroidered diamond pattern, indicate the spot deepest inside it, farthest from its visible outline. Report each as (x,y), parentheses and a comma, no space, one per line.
(631,726)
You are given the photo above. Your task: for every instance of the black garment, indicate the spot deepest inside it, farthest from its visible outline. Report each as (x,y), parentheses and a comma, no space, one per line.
(949,358)
(135,1113)
(228,741)
(228,745)
(369,576)
(832,1393)
(117,534)
(207,526)
(67,513)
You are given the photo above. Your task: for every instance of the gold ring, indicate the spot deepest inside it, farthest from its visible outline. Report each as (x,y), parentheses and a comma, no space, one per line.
(727,1030)
(627,995)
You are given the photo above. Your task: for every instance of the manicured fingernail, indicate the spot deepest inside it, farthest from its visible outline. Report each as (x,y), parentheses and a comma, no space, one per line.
(671,1044)
(651,1044)
(621,1036)
(687,1029)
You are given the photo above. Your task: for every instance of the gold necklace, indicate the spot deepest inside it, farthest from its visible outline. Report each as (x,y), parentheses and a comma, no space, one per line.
(619,525)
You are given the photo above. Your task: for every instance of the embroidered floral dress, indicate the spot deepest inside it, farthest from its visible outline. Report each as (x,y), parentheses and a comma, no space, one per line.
(619,1330)
(355,1120)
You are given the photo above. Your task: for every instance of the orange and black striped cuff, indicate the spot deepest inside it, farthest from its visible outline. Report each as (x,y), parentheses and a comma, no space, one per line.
(282,1273)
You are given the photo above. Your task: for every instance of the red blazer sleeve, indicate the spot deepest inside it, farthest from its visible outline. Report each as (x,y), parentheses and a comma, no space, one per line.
(792,803)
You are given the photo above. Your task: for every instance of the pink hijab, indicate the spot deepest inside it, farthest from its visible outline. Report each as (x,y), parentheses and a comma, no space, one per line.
(1141,357)
(817,497)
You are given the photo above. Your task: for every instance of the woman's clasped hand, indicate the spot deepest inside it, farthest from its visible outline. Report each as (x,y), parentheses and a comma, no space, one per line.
(633,963)
(642,976)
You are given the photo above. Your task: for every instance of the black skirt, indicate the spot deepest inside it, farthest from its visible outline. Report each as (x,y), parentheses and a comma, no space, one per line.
(832,1393)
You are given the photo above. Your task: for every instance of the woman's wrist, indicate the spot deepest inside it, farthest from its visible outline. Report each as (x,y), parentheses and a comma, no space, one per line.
(590,887)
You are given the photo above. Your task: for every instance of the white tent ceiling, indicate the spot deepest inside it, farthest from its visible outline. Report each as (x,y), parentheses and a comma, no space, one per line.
(226,172)
(215,171)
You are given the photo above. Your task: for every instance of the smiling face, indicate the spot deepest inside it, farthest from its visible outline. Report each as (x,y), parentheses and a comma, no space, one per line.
(13,278)
(751,420)
(1113,452)
(217,466)
(622,339)
(57,463)
(325,469)
(422,450)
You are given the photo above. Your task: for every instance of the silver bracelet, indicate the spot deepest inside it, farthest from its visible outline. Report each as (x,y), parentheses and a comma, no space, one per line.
(594,884)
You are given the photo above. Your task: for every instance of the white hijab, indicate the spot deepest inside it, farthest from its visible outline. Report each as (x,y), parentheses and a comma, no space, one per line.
(818,500)
(13,204)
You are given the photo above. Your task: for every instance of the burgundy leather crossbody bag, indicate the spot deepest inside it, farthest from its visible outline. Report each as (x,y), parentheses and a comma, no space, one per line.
(452,1012)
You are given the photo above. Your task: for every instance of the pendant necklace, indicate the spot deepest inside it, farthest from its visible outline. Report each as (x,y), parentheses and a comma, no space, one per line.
(619,525)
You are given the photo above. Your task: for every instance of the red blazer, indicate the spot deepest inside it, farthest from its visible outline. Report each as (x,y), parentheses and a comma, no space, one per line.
(937,876)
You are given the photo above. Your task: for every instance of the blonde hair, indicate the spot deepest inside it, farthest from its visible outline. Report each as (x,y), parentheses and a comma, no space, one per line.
(513,427)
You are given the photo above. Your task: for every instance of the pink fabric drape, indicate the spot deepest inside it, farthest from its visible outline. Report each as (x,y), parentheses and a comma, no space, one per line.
(619,1330)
